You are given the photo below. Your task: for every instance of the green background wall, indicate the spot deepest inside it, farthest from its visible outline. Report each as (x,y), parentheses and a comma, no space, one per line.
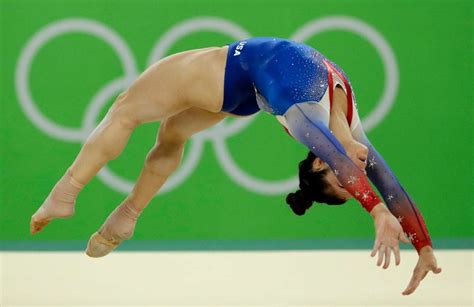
(426,137)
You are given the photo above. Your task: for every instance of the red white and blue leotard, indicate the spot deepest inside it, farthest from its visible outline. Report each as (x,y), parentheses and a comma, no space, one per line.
(295,83)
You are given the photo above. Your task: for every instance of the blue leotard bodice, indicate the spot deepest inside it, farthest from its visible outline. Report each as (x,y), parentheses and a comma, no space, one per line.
(283,72)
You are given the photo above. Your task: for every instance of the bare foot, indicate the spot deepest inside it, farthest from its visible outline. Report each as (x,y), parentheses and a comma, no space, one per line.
(119,226)
(59,203)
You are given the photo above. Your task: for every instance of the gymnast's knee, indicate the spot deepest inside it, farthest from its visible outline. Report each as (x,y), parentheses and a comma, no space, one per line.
(123,112)
(110,137)
(164,159)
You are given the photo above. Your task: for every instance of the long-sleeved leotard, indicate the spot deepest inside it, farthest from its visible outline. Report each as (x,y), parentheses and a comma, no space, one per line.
(314,133)
(397,199)
(295,83)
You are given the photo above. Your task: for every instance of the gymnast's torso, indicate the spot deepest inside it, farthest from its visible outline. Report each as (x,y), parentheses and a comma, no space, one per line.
(273,74)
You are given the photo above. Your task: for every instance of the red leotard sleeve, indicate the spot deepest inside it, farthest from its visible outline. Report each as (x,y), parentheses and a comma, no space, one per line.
(396,198)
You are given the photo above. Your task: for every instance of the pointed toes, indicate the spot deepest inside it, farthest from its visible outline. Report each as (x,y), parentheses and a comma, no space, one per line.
(37,224)
(98,246)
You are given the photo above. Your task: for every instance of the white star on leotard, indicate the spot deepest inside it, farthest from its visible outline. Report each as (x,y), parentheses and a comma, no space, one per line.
(372,162)
(411,236)
(389,197)
(400,219)
(365,195)
(352,179)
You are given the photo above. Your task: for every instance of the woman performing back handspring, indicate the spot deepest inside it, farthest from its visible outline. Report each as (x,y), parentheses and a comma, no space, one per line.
(193,90)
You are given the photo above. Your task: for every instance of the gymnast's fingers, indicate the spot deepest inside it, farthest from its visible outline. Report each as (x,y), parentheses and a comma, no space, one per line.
(381,253)
(396,251)
(388,251)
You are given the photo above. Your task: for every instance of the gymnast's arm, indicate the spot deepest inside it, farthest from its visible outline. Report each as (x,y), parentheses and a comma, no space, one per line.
(397,199)
(402,206)
(313,132)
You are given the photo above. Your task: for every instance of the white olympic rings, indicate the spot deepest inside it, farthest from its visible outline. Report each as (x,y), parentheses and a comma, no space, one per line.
(217,134)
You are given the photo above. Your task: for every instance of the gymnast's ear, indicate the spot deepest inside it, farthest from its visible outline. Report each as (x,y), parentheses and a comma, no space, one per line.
(318,165)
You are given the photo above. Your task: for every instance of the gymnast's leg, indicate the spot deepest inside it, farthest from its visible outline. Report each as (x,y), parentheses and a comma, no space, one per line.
(135,106)
(162,160)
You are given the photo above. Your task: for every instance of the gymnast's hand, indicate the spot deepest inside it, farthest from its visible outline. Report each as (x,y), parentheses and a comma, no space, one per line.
(426,263)
(387,233)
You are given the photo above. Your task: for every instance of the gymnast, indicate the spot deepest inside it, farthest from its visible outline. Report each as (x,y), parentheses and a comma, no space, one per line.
(307,93)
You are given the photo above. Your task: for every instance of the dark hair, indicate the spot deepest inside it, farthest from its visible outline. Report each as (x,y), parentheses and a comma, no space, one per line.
(312,188)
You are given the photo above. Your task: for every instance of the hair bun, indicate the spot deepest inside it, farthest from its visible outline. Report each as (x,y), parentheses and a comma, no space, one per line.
(298,202)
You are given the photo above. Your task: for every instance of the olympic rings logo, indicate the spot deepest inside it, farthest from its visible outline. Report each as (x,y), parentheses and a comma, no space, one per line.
(217,134)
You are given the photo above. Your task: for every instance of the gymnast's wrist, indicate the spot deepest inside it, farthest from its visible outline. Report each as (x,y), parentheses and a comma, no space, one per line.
(378,210)
(424,247)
